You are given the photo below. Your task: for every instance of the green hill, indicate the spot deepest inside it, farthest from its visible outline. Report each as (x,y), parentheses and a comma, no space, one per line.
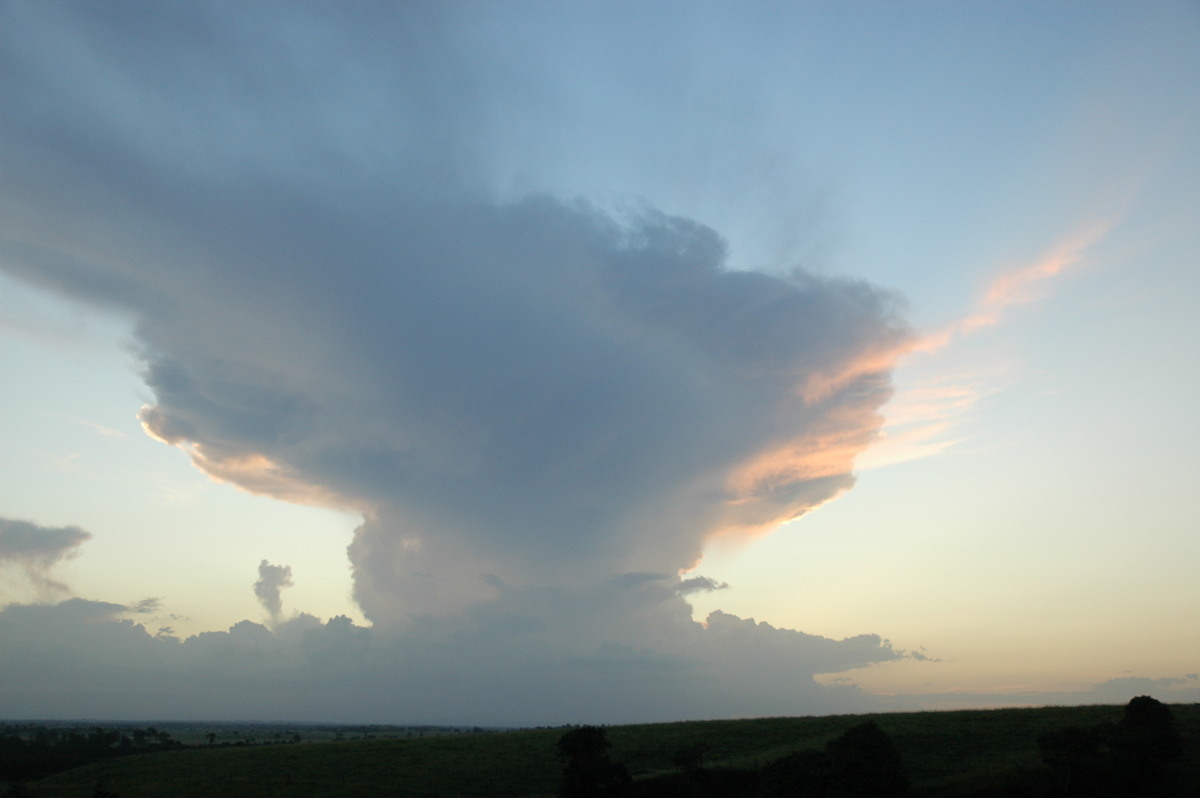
(964,753)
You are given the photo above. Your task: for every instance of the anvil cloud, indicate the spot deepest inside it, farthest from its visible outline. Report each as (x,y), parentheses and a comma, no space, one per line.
(541,407)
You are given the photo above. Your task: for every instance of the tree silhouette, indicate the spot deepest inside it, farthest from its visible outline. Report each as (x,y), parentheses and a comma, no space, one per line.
(862,762)
(587,769)
(1144,743)
(1127,758)
(800,773)
(690,759)
(865,762)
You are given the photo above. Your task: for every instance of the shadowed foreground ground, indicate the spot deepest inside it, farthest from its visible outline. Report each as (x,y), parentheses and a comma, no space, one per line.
(974,753)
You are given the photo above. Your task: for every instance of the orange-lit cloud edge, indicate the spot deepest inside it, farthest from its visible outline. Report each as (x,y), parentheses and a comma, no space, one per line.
(921,420)
(918,422)
(253,473)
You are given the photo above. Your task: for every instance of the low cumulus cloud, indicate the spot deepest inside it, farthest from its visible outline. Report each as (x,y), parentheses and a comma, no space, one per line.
(537,405)
(1168,689)
(506,662)
(33,551)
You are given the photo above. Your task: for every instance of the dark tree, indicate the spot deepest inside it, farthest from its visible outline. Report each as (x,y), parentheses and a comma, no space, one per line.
(690,759)
(803,773)
(1148,729)
(1144,743)
(587,769)
(865,762)
(862,762)
(1129,758)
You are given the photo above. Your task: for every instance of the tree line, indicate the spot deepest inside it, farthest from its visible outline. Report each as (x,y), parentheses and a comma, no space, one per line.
(1139,755)
(863,761)
(1134,756)
(32,754)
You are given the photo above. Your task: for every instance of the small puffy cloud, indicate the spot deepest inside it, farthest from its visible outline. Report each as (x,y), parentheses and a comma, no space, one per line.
(920,655)
(146,606)
(698,584)
(272,579)
(34,550)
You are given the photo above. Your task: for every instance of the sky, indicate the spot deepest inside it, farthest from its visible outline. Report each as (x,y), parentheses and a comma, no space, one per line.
(526,363)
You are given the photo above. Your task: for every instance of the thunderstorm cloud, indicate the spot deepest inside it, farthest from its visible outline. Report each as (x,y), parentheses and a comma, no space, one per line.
(541,406)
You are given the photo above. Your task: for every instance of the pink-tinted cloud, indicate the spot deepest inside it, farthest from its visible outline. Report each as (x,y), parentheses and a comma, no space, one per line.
(924,420)
(1020,285)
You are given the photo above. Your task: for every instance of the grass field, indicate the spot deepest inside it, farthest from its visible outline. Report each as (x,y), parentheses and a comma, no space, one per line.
(947,754)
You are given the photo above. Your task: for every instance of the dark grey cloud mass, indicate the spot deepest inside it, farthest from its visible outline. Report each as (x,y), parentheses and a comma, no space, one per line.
(539,405)
(83,658)
(489,665)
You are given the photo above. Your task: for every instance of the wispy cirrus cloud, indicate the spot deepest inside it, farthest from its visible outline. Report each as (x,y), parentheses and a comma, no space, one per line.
(926,419)
(1019,285)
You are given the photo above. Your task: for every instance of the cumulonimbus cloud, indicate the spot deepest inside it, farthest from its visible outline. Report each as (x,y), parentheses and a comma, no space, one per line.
(532,401)
(536,390)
